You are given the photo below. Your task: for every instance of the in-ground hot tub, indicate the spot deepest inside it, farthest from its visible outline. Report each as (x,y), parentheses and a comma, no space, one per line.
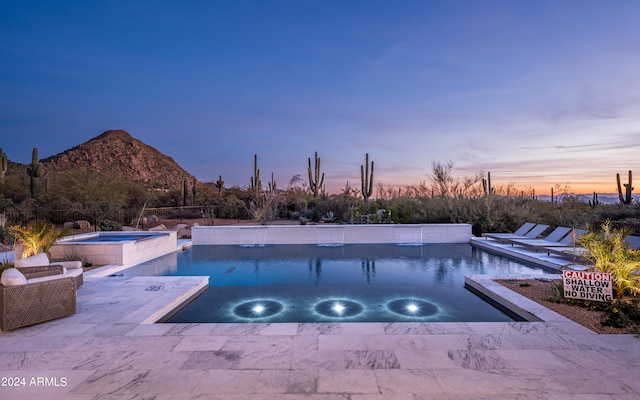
(115,248)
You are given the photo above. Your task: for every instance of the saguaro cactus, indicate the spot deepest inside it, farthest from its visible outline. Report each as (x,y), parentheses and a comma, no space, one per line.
(594,202)
(486,185)
(627,198)
(315,181)
(193,191)
(256,183)
(185,191)
(272,185)
(220,184)
(35,171)
(366,180)
(4,165)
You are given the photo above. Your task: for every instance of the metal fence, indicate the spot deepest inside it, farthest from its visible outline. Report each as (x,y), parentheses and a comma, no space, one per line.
(83,221)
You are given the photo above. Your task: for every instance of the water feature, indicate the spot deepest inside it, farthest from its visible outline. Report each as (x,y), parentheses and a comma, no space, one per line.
(350,283)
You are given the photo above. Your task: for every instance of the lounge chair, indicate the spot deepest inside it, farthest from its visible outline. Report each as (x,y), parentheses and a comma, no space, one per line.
(567,247)
(527,231)
(552,239)
(39,265)
(25,302)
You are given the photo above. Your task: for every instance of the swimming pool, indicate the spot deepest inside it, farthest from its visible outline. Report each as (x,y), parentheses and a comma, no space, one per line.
(351,283)
(116,248)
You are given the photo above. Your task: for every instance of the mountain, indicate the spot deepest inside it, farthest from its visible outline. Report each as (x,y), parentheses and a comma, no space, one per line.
(117,152)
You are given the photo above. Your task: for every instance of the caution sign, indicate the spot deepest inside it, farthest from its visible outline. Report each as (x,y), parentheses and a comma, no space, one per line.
(587,285)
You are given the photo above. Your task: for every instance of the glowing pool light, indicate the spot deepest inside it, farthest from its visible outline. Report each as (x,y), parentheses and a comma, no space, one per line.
(338,308)
(342,308)
(258,309)
(412,308)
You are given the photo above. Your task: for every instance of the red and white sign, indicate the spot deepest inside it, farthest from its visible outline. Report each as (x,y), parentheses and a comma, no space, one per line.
(587,285)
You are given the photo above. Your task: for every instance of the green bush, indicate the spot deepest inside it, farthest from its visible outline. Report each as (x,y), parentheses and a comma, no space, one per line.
(109,225)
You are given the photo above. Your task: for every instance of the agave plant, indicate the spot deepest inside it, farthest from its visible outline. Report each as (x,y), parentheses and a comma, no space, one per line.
(608,252)
(36,237)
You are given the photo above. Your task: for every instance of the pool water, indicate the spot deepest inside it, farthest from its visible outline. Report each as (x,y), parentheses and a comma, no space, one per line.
(306,283)
(114,237)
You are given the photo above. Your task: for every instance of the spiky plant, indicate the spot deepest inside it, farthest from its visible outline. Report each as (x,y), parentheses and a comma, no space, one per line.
(608,252)
(36,237)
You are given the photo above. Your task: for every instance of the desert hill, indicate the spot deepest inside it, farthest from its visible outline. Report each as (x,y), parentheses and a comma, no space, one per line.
(118,153)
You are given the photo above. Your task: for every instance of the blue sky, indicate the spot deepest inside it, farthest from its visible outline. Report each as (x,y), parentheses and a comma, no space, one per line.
(539,93)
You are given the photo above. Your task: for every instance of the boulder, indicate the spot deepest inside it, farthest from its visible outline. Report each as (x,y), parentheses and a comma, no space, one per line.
(83,224)
(184,233)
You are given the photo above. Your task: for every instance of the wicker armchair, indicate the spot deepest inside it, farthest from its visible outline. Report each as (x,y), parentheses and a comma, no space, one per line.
(36,302)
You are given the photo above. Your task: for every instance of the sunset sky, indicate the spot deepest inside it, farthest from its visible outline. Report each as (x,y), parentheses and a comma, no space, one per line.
(539,93)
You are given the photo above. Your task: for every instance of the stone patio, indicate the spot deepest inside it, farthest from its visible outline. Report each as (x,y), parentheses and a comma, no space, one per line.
(110,350)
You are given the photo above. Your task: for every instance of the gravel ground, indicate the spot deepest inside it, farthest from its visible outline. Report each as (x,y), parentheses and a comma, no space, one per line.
(540,292)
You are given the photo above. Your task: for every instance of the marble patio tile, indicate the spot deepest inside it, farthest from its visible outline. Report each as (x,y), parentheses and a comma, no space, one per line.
(592,359)
(426,328)
(189,329)
(37,343)
(347,381)
(227,382)
(51,396)
(587,381)
(498,396)
(279,329)
(140,343)
(292,381)
(341,342)
(514,328)
(65,360)
(534,359)
(383,396)
(254,396)
(260,342)
(275,359)
(468,381)
(207,360)
(345,360)
(512,342)
(478,360)
(196,343)
(424,359)
(363,328)
(165,381)
(149,330)
(320,328)
(407,381)
(111,329)
(415,342)
(234,329)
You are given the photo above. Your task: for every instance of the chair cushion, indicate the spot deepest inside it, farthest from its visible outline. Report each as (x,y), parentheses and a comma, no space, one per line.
(12,277)
(38,260)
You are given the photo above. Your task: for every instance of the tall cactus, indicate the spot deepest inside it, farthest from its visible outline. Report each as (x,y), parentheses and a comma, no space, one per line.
(256,183)
(315,180)
(366,180)
(272,185)
(627,198)
(193,191)
(4,165)
(35,171)
(486,185)
(220,184)
(185,191)
(594,202)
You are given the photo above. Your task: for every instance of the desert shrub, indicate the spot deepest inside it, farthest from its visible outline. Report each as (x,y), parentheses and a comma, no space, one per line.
(110,225)
(609,253)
